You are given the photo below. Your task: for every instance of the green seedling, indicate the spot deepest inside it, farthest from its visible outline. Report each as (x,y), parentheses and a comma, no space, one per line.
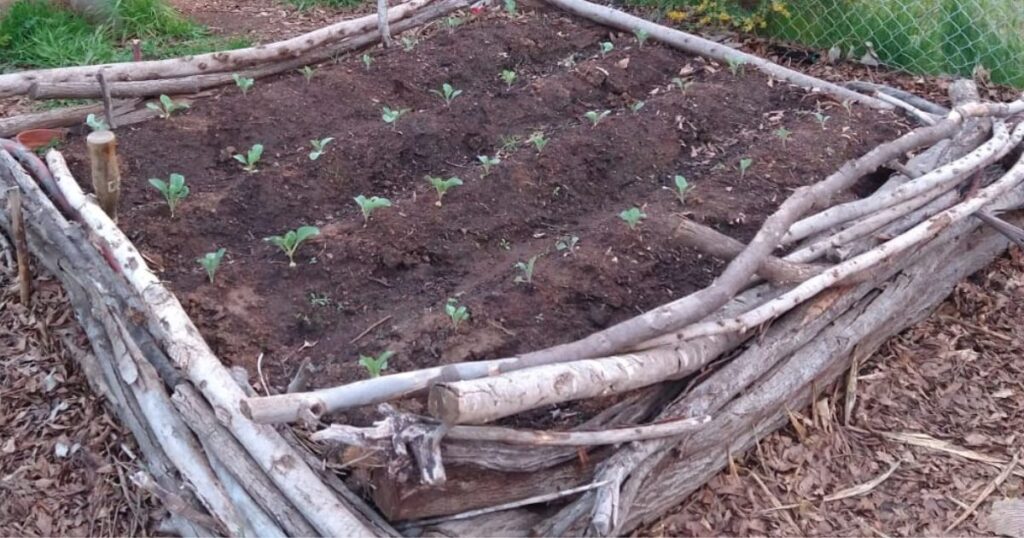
(250,158)
(525,269)
(488,162)
(681,84)
(448,93)
(409,42)
(736,66)
(606,47)
(744,165)
(391,115)
(369,205)
(504,244)
(538,140)
(453,22)
(243,83)
(319,300)
(166,106)
(636,106)
(511,7)
(567,243)
(509,143)
(595,117)
(367,60)
(291,240)
(641,36)
(456,312)
(375,365)
(509,77)
(821,119)
(632,217)
(307,73)
(782,134)
(319,147)
(174,190)
(681,187)
(95,123)
(211,261)
(442,186)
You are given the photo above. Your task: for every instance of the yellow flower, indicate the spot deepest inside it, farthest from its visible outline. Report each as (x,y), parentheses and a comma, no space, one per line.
(724,17)
(704,21)
(676,15)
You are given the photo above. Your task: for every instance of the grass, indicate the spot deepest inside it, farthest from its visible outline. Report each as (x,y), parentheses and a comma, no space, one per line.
(947,37)
(38,33)
(334,4)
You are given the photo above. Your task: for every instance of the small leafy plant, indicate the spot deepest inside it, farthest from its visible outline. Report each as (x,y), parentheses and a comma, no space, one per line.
(509,77)
(409,42)
(291,240)
(369,205)
(511,7)
(641,36)
(307,73)
(243,83)
(367,60)
(319,147)
(736,66)
(636,106)
(166,106)
(442,186)
(538,140)
(392,115)
(375,365)
(606,47)
(782,134)
(211,261)
(453,22)
(680,83)
(487,162)
(250,158)
(95,123)
(510,143)
(632,217)
(681,187)
(595,117)
(525,269)
(448,93)
(174,190)
(567,243)
(744,165)
(821,119)
(456,312)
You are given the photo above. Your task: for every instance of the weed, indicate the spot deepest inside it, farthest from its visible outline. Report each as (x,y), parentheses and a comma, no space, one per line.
(307,73)
(453,22)
(243,83)
(319,300)
(821,119)
(375,365)
(442,186)
(250,158)
(319,147)
(369,205)
(525,269)
(392,115)
(641,36)
(504,244)
(367,60)
(782,134)
(448,93)
(606,47)
(95,123)
(488,162)
(509,77)
(595,117)
(211,261)
(632,217)
(682,84)
(174,190)
(538,140)
(291,240)
(511,7)
(166,106)
(509,143)
(409,42)
(635,106)
(744,165)
(736,65)
(456,312)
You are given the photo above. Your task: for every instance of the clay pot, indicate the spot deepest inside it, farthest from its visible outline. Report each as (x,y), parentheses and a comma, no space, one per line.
(39,138)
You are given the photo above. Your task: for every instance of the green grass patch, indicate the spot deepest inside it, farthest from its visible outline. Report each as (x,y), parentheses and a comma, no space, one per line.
(333,4)
(37,33)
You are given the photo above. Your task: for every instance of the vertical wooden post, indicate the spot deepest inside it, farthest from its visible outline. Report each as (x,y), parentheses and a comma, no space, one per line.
(382,23)
(106,176)
(20,244)
(108,107)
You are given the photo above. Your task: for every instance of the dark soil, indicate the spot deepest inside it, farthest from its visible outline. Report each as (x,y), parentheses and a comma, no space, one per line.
(412,257)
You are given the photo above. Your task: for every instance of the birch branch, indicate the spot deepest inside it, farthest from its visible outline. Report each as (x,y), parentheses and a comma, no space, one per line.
(719,245)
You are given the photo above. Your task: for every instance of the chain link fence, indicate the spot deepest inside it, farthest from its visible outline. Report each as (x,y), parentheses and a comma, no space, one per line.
(938,37)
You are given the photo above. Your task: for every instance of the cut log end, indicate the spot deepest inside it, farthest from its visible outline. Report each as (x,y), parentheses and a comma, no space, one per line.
(443,403)
(283,408)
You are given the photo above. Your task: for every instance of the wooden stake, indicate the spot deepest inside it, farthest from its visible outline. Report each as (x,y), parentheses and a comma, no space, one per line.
(108,109)
(382,23)
(20,244)
(106,176)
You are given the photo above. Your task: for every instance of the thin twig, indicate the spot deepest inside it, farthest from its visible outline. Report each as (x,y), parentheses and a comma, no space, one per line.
(370,328)
(775,502)
(259,371)
(999,479)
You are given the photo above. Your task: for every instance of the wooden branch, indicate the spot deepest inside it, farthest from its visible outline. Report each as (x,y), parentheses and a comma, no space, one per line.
(20,246)
(907,97)
(382,23)
(301,379)
(925,118)
(1011,232)
(141,88)
(259,521)
(186,348)
(945,177)
(59,117)
(703,47)
(106,174)
(108,108)
(214,62)
(719,245)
